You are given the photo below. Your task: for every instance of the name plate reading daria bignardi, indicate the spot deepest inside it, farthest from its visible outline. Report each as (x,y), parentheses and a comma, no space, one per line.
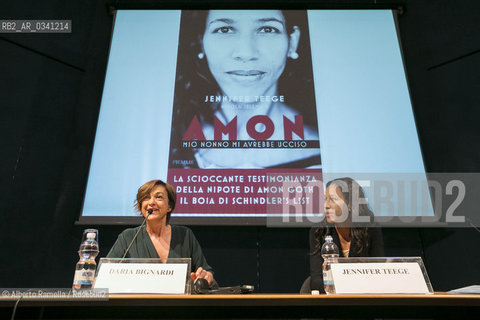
(132,277)
(374,276)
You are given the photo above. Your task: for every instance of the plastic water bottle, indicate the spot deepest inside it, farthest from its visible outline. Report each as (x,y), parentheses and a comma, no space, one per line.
(86,266)
(329,254)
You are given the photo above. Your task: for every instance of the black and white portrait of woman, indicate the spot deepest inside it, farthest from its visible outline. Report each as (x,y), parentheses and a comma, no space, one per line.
(244,75)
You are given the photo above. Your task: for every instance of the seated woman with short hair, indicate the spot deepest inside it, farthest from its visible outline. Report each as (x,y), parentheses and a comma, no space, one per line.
(159,239)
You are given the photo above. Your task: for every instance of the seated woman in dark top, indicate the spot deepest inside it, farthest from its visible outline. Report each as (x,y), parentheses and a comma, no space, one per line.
(159,239)
(353,240)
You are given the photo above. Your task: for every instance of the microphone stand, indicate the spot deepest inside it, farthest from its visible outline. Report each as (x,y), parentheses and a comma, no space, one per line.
(149,212)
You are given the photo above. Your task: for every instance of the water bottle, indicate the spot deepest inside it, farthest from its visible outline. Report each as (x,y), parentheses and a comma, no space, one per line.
(329,254)
(86,266)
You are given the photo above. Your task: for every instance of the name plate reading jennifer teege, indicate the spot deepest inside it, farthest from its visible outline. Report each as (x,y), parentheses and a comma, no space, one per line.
(380,276)
(132,277)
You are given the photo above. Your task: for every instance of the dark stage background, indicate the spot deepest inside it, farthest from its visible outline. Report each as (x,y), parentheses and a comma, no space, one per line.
(50,91)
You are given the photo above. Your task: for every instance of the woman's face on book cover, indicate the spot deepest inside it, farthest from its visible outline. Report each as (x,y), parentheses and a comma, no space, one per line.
(246,50)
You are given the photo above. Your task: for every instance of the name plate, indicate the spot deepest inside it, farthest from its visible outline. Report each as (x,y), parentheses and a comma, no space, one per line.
(160,276)
(380,276)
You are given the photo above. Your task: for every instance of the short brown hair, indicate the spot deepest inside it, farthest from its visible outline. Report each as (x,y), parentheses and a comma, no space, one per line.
(145,190)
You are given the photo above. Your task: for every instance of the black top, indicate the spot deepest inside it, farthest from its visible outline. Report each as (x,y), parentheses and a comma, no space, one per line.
(183,244)
(316,260)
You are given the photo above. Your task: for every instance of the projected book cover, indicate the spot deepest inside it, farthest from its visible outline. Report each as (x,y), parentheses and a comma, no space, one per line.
(230,106)
(244,122)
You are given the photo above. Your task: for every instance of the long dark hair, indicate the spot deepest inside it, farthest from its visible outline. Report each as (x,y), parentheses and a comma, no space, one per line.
(359,233)
(194,79)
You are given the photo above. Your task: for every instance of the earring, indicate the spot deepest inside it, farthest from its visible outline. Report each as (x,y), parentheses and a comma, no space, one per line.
(293,55)
(201,55)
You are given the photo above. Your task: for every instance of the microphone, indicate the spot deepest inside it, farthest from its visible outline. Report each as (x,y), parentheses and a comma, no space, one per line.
(149,212)
(201,287)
